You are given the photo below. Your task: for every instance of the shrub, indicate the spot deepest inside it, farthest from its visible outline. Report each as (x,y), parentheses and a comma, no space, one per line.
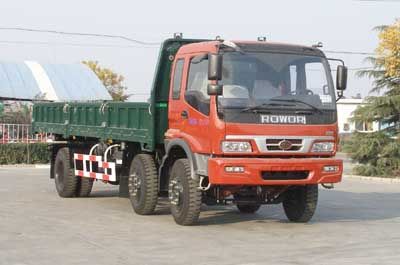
(22,153)
(377,153)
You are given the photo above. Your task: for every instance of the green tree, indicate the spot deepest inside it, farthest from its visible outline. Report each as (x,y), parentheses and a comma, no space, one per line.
(21,114)
(379,153)
(111,80)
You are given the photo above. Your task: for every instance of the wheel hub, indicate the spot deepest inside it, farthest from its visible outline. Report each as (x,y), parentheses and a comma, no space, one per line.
(175,190)
(136,183)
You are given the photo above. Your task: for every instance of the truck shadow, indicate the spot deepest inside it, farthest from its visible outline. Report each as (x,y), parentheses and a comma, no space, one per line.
(344,206)
(334,206)
(103,193)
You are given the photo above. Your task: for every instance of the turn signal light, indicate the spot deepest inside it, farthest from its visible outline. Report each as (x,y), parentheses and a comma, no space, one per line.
(331,168)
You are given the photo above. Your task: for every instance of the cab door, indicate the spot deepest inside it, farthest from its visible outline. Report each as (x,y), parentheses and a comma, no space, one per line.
(189,112)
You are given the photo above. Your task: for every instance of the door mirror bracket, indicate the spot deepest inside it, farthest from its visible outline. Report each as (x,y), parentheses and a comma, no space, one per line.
(214,89)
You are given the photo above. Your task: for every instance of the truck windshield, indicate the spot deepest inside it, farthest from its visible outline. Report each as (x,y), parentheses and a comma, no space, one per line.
(263,81)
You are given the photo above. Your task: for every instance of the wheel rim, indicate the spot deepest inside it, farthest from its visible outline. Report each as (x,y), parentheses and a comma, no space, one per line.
(175,190)
(136,185)
(60,174)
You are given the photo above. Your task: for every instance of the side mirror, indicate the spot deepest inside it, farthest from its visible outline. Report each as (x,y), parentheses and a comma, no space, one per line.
(214,67)
(214,90)
(341,77)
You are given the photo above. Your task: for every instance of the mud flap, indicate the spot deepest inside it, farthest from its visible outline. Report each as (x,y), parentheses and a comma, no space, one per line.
(123,187)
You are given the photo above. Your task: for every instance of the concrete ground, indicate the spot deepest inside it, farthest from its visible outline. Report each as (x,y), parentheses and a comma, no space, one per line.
(357,223)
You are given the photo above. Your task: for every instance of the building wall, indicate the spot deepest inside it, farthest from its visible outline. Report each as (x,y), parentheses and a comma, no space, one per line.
(345,108)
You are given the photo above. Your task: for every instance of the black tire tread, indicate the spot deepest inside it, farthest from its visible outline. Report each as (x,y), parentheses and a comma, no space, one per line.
(191,216)
(70,180)
(151,180)
(308,196)
(84,187)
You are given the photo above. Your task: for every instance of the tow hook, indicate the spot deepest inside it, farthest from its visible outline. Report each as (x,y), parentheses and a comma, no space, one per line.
(201,184)
(328,186)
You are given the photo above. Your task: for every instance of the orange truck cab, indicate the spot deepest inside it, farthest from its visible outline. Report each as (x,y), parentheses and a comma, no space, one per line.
(259,120)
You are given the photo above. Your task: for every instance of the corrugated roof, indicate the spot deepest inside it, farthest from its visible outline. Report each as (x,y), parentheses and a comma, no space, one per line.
(58,82)
(17,81)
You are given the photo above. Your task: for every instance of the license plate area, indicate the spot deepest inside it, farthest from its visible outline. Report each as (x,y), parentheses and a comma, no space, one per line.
(285,175)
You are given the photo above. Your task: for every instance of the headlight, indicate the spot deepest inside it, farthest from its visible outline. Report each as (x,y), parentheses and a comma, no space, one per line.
(236,147)
(323,147)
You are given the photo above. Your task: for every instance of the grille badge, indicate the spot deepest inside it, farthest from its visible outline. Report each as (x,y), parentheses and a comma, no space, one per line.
(285,145)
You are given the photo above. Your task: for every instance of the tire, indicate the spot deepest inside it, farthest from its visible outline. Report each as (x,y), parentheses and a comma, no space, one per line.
(64,177)
(248,208)
(300,203)
(184,195)
(84,187)
(143,184)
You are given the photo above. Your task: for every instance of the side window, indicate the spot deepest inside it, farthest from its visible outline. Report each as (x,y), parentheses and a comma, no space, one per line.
(362,126)
(176,87)
(196,92)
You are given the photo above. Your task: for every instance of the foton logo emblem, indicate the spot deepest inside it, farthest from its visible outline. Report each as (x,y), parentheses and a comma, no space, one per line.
(285,145)
(291,119)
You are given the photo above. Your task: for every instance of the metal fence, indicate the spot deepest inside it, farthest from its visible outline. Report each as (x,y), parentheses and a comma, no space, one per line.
(20,133)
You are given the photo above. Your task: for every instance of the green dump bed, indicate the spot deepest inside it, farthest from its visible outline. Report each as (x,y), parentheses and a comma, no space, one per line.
(121,121)
(145,123)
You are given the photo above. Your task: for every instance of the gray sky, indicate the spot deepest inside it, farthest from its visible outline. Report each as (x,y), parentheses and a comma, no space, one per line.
(342,25)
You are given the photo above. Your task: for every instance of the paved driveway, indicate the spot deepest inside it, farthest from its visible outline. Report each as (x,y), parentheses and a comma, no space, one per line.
(357,223)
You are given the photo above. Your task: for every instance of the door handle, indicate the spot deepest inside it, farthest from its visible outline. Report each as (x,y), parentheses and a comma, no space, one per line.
(184,114)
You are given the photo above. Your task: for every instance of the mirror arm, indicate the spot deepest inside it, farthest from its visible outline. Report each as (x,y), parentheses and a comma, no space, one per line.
(334,59)
(216,103)
(340,95)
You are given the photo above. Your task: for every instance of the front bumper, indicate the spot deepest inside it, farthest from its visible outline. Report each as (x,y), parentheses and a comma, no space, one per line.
(253,168)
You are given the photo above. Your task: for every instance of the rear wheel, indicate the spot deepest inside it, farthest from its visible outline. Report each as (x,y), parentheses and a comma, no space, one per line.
(84,187)
(248,208)
(65,179)
(300,203)
(183,193)
(143,184)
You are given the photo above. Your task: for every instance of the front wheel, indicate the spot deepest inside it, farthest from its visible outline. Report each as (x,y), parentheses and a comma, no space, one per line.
(143,184)
(183,193)
(300,203)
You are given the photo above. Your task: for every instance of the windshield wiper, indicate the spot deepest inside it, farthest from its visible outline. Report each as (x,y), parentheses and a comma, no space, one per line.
(297,101)
(264,106)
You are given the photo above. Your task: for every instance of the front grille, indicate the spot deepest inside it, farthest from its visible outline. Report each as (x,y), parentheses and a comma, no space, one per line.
(273,144)
(284,175)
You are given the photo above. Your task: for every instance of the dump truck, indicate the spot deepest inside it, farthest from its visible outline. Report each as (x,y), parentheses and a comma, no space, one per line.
(247,123)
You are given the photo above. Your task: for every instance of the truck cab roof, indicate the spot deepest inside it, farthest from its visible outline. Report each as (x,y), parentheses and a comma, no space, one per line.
(253,46)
